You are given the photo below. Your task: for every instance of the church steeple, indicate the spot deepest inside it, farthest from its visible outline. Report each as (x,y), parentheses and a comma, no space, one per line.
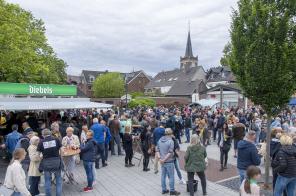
(188,52)
(188,61)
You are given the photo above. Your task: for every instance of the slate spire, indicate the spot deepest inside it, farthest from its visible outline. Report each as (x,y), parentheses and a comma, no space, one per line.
(188,52)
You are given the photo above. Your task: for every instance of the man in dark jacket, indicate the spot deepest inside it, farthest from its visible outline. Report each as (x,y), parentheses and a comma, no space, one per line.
(114,129)
(285,166)
(51,162)
(88,154)
(247,154)
(187,126)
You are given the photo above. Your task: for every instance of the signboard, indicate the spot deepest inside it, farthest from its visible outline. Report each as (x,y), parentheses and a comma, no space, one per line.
(123,98)
(37,89)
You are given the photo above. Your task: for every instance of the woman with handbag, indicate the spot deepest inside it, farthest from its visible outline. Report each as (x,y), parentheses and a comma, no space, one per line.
(224,142)
(15,178)
(195,163)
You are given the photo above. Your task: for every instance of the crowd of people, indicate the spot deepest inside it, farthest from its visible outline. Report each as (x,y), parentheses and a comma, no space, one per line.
(34,144)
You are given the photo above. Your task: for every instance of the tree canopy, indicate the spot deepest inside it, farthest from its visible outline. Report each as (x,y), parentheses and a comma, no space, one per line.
(224,61)
(141,102)
(25,55)
(109,85)
(263,52)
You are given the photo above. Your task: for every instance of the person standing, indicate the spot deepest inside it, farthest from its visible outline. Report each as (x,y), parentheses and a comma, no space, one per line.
(15,178)
(12,140)
(224,142)
(176,160)
(157,134)
(146,144)
(187,126)
(51,163)
(195,163)
(70,141)
(83,137)
(128,147)
(165,152)
(88,154)
(35,159)
(238,132)
(247,154)
(285,166)
(115,129)
(107,139)
(99,137)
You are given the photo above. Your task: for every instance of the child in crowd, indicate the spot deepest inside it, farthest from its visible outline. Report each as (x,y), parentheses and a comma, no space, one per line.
(128,147)
(249,186)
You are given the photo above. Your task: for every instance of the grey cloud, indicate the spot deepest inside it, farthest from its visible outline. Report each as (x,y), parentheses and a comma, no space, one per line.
(131,34)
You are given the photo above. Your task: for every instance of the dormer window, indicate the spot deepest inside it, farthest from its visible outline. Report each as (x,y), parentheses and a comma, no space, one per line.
(170,79)
(212,76)
(91,78)
(223,75)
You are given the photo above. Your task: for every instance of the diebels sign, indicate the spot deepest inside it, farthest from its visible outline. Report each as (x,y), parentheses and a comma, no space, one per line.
(37,89)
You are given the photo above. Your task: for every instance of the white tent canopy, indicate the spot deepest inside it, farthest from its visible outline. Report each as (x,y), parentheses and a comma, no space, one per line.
(49,104)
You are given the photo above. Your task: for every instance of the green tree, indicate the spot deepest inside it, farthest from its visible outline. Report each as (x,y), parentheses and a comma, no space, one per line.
(137,94)
(224,61)
(25,55)
(263,54)
(109,85)
(141,102)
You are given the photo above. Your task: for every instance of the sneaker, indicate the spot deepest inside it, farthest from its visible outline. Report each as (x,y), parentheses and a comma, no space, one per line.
(87,189)
(127,165)
(165,192)
(174,193)
(156,172)
(105,164)
(182,181)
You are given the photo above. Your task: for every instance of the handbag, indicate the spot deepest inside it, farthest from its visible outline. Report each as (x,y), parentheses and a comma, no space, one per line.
(4,191)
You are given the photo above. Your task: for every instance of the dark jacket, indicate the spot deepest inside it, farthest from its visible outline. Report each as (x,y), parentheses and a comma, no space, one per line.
(238,131)
(247,155)
(88,150)
(226,142)
(275,146)
(187,123)
(285,162)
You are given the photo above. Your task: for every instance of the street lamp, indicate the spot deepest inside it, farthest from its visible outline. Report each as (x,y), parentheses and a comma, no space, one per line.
(125,93)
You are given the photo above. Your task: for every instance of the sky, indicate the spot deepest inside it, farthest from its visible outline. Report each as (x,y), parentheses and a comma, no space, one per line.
(127,35)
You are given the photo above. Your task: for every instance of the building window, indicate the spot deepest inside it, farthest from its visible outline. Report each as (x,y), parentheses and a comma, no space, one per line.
(175,79)
(223,75)
(170,79)
(91,78)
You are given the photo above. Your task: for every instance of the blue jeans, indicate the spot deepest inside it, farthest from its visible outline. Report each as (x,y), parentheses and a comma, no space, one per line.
(187,134)
(167,169)
(242,174)
(177,167)
(283,183)
(16,194)
(58,178)
(88,166)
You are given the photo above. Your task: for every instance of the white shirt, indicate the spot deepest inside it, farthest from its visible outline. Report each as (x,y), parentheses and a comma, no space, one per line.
(255,190)
(15,178)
